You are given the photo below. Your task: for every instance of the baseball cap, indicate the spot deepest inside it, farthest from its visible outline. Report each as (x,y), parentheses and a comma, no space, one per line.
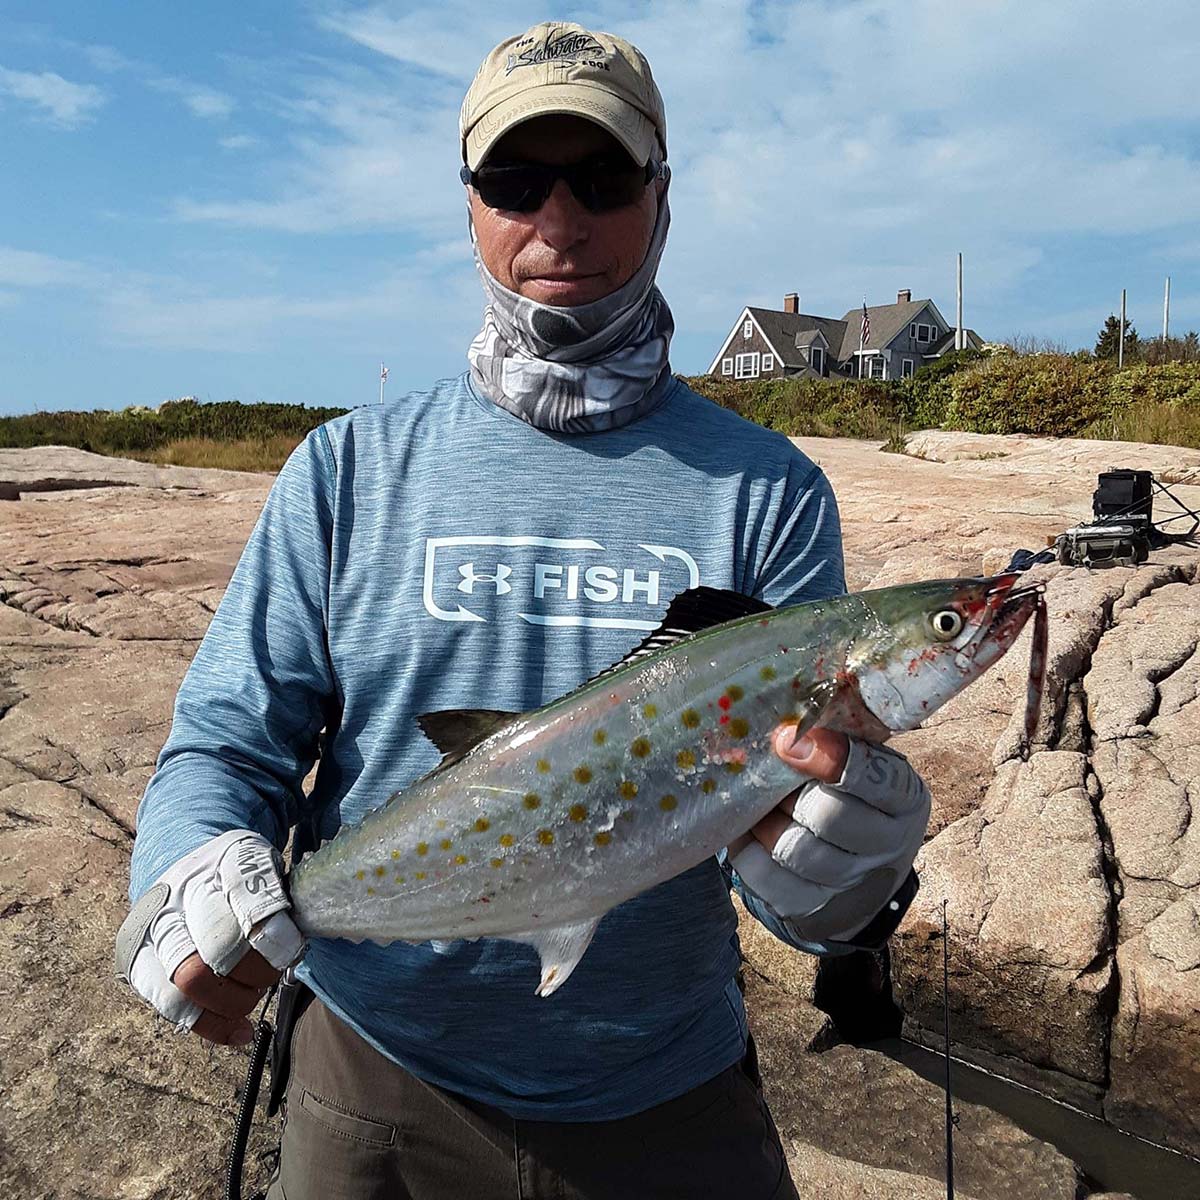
(561,67)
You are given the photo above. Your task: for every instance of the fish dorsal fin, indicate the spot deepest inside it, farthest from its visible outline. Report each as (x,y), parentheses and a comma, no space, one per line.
(690,612)
(455,730)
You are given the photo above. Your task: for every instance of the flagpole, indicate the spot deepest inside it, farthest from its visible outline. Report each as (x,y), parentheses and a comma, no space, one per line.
(382,380)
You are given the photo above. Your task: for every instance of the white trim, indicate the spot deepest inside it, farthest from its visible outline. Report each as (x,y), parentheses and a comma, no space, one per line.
(907,368)
(877,358)
(817,350)
(749,360)
(727,366)
(748,328)
(768,363)
(746,315)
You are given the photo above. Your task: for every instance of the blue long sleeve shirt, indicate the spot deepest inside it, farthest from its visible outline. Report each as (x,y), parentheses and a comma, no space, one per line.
(437,552)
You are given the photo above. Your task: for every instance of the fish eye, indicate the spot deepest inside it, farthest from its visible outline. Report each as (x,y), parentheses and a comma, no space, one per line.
(946,624)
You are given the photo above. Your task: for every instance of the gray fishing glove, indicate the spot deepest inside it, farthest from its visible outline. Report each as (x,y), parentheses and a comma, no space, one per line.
(847,851)
(220,901)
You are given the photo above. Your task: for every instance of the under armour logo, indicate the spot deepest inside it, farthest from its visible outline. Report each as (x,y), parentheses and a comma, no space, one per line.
(470,578)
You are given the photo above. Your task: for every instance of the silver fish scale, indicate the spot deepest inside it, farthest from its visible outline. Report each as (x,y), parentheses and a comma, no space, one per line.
(581,805)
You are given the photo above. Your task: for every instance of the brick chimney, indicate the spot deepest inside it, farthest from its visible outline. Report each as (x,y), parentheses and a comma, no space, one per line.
(904,296)
(791,302)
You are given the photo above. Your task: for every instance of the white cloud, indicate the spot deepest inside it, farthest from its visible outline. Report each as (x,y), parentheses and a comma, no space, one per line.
(31,269)
(238,141)
(200,100)
(59,101)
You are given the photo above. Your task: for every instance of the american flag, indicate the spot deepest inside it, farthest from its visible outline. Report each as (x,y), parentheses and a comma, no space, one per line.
(865,333)
(382,373)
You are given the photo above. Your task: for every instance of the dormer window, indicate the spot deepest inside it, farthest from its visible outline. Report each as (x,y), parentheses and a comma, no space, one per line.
(816,359)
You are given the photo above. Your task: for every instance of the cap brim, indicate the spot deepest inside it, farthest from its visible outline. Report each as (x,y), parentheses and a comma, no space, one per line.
(627,124)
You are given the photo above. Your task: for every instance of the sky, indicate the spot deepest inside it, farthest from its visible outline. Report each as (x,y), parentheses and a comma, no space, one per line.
(260,201)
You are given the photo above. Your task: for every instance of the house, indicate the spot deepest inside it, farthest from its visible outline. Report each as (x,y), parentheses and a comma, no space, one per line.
(902,337)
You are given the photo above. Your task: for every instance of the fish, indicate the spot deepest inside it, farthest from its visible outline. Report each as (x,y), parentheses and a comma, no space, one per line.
(536,824)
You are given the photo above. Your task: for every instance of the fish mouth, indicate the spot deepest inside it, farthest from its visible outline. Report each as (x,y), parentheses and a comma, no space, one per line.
(1012,606)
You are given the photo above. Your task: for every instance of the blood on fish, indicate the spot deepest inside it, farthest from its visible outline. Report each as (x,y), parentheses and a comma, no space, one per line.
(725,719)
(724,702)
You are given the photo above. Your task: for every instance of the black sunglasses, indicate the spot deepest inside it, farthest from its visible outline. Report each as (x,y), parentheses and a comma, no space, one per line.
(599,184)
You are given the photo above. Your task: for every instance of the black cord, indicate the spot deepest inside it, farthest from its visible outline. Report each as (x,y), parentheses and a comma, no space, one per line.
(263,1033)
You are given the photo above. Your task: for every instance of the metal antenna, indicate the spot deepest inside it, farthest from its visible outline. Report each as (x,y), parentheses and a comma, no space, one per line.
(951,1119)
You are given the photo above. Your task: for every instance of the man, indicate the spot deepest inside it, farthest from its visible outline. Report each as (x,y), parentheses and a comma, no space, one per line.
(494,543)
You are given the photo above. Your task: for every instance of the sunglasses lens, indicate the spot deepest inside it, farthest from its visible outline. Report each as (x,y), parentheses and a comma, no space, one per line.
(515,189)
(603,187)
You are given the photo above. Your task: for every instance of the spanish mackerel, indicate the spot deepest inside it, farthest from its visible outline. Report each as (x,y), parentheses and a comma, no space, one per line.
(536,824)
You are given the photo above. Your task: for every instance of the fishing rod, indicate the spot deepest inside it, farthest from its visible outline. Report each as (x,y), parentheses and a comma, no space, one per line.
(951,1116)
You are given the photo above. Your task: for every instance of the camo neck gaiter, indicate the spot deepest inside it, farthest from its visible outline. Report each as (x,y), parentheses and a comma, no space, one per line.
(577,369)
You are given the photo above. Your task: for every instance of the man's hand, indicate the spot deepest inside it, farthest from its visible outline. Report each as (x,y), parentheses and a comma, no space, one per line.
(206,941)
(834,852)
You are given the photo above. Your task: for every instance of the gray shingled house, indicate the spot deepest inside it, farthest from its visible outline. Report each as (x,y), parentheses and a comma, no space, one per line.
(903,336)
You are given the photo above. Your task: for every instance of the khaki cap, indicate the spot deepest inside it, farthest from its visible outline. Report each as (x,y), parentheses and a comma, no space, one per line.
(560,67)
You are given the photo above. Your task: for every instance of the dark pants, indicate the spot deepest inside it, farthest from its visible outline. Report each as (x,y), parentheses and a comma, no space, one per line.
(359,1127)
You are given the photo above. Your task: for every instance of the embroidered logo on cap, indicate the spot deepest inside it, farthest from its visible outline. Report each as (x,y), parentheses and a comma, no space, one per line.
(574,47)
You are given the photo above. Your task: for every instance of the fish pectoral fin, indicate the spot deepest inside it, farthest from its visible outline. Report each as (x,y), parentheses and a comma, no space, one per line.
(455,730)
(560,948)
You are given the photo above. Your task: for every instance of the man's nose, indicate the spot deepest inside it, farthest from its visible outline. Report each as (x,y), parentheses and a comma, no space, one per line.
(562,222)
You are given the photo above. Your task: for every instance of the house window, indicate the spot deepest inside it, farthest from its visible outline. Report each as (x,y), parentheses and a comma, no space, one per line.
(747,328)
(925,333)
(912,331)
(877,367)
(816,360)
(768,363)
(727,366)
(906,368)
(747,366)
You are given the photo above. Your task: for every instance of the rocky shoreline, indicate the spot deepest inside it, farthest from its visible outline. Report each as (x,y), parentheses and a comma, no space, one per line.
(1073,878)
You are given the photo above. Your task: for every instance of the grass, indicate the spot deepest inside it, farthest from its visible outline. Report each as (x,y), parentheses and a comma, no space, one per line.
(1160,423)
(241,454)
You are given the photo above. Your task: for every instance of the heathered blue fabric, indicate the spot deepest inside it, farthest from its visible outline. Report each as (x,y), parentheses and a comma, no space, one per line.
(343,614)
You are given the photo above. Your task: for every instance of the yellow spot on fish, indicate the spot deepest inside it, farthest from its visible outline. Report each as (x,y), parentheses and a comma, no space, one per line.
(399,879)
(650,711)
(735,768)
(578,813)
(506,839)
(543,766)
(690,717)
(379,872)
(545,837)
(422,848)
(734,692)
(419,875)
(709,785)
(360,874)
(667,803)
(628,789)
(439,824)
(640,747)
(460,859)
(370,891)
(686,759)
(532,800)
(602,839)
(395,853)
(497,862)
(739,727)
(583,774)
(445,843)
(767,674)
(482,825)
(599,737)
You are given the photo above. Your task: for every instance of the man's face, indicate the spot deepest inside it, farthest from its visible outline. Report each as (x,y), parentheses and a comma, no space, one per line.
(562,254)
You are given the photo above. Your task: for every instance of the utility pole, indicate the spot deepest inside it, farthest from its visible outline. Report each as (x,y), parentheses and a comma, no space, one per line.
(960,337)
(1167,310)
(1121,339)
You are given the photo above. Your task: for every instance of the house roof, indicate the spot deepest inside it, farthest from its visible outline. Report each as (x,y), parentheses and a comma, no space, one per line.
(946,344)
(887,320)
(783,329)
